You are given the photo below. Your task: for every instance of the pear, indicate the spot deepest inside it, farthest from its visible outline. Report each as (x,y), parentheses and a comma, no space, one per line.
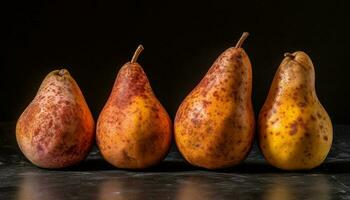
(56,130)
(214,125)
(295,131)
(133,130)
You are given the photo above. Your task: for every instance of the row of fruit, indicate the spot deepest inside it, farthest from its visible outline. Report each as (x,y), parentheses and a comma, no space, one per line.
(214,125)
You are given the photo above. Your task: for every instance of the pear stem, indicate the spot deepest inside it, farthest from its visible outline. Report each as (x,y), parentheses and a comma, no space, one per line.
(137,53)
(289,55)
(61,72)
(241,40)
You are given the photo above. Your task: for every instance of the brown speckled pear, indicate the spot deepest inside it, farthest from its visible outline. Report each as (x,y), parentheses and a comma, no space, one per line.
(295,131)
(133,130)
(214,125)
(56,130)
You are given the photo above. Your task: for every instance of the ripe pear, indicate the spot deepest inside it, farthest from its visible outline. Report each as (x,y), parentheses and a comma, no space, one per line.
(295,131)
(133,130)
(56,130)
(214,125)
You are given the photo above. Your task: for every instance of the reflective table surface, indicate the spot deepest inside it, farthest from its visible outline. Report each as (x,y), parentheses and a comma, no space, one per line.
(173,178)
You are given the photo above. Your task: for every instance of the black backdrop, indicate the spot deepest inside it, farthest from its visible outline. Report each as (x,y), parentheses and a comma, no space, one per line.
(93,39)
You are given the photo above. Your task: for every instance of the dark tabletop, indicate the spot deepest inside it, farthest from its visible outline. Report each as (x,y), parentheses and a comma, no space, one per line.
(173,178)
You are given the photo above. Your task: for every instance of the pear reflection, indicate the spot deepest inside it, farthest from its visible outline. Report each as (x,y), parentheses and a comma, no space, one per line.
(296,187)
(37,186)
(114,189)
(196,187)
(134,187)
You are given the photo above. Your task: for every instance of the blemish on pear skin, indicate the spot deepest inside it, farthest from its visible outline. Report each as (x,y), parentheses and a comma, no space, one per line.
(306,99)
(319,115)
(195,119)
(278,89)
(293,128)
(325,138)
(209,129)
(206,103)
(295,96)
(299,119)
(154,109)
(274,121)
(313,118)
(216,95)
(302,104)
(40,148)
(126,156)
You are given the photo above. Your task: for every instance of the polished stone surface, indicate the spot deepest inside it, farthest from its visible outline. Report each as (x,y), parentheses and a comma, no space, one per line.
(173,178)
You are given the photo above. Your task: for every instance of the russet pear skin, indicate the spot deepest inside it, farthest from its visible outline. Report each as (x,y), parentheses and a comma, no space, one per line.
(295,131)
(56,130)
(133,130)
(214,125)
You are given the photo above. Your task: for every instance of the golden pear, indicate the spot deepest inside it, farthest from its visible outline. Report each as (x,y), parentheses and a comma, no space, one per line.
(214,125)
(295,131)
(133,130)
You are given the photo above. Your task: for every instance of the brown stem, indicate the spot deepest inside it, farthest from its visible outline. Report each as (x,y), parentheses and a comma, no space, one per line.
(137,53)
(241,40)
(61,72)
(289,55)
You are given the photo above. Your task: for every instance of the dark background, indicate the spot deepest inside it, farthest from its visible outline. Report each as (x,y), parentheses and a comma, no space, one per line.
(93,39)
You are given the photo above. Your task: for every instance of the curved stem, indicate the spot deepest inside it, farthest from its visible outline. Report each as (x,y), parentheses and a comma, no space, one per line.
(137,53)
(241,40)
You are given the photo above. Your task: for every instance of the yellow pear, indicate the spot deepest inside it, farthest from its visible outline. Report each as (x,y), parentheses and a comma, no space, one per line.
(133,130)
(295,131)
(214,125)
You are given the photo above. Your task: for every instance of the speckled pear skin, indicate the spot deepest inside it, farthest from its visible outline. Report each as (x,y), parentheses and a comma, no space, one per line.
(134,130)
(56,130)
(214,125)
(295,131)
